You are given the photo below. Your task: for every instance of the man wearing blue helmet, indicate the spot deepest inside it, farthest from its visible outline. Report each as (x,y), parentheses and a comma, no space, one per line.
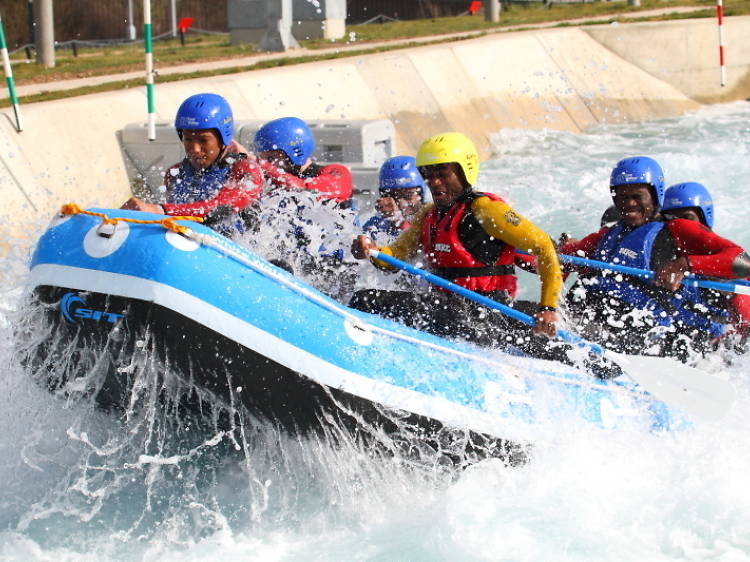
(633,315)
(402,194)
(689,200)
(692,201)
(216,171)
(285,147)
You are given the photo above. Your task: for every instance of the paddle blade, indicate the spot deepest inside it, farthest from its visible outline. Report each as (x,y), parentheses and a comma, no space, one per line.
(702,396)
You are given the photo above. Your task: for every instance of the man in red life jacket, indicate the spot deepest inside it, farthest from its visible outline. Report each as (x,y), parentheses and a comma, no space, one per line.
(470,238)
(216,172)
(636,316)
(285,147)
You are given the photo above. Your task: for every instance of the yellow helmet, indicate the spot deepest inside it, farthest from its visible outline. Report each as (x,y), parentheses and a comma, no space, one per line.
(451,147)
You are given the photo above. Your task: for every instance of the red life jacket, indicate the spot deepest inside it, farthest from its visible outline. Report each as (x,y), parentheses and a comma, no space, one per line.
(457,248)
(332,181)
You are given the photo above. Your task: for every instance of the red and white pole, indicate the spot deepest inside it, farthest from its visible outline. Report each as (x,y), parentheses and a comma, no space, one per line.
(720,18)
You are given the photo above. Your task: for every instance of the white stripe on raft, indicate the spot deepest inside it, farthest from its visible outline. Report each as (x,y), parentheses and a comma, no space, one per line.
(281,351)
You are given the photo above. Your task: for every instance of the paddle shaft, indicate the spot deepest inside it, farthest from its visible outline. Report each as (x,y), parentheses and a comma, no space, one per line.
(703,397)
(480,299)
(738,286)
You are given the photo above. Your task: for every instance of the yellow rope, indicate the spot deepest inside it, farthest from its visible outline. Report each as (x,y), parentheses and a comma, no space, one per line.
(168,223)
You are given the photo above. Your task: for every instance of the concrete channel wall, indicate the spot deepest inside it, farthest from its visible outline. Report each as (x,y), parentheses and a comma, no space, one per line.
(564,78)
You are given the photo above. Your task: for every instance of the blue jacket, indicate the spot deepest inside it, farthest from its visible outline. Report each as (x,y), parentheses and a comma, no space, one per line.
(380,225)
(686,307)
(188,185)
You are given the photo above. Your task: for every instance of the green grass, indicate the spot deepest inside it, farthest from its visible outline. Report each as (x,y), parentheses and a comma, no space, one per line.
(124,58)
(112,60)
(523,14)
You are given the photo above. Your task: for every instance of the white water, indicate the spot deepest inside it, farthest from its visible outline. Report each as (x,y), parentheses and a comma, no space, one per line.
(76,485)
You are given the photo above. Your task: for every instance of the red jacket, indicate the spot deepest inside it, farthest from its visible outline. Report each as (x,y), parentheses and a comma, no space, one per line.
(332,181)
(739,310)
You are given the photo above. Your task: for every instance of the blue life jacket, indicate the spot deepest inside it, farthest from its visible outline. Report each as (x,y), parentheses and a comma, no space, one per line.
(378,225)
(633,248)
(193,185)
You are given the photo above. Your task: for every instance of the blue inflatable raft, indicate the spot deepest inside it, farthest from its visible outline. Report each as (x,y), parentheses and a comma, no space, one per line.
(252,334)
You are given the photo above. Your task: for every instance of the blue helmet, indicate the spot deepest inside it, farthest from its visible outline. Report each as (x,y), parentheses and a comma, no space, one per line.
(289,134)
(690,194)
(206,111)
(639,169)
(400,172)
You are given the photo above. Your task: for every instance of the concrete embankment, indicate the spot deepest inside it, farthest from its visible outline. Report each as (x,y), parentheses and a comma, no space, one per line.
(566,78)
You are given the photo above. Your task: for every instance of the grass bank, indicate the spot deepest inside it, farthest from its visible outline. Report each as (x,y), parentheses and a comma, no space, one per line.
(109,60)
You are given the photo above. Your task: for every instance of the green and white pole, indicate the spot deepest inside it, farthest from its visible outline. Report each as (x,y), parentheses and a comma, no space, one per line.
(9,77)
(149,69)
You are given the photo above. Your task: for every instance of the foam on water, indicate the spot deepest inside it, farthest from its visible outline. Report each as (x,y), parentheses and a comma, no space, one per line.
(75,484)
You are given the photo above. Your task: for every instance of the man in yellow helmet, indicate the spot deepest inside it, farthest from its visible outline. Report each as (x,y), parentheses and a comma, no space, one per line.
(470,238)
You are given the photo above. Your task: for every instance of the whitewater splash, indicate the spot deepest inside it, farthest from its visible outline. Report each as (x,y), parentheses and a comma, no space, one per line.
(162,470)
(79,485)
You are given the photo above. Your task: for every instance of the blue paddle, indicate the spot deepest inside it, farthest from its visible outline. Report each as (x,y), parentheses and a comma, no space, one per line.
(739,286)
(698,394)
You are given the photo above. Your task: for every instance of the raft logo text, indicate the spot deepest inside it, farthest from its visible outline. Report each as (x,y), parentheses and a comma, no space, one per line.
(73,308)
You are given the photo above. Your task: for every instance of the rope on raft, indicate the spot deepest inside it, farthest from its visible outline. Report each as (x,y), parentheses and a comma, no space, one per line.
(169,223)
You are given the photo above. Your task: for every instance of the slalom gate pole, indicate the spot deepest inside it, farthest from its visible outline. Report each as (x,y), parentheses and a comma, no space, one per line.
(9,78)
(720,20)
(148,48)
